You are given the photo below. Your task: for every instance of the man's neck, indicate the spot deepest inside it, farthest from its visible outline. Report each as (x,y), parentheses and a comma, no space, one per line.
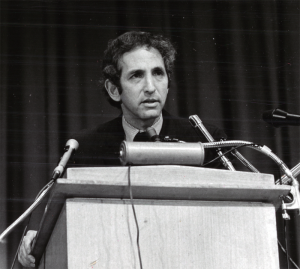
(141,124)
(130,131)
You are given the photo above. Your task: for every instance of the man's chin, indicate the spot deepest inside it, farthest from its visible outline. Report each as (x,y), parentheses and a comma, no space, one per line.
(151,114)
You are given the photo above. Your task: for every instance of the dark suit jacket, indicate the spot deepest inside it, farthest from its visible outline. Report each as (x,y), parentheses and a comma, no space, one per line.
(100,146)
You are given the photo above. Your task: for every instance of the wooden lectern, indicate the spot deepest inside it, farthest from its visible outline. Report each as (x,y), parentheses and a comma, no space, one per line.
(188,218)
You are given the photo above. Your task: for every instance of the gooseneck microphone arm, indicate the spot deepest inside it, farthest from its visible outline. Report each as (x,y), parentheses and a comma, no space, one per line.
(286,180)
(295,204)
(263,149)
(71,146)
(200,128)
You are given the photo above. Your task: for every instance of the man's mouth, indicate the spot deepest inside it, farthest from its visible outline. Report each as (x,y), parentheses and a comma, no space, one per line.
(150,101)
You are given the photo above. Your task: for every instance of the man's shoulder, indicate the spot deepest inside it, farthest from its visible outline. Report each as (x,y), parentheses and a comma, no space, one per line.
(99,145)
(111,127)
(100,136)
(180,128)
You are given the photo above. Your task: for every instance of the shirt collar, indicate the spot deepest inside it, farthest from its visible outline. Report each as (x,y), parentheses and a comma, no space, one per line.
(130,131)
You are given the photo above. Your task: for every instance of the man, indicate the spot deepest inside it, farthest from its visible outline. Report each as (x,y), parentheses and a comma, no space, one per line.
(137,69)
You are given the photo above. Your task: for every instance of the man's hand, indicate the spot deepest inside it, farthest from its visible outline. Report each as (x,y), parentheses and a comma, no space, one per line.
(24,256)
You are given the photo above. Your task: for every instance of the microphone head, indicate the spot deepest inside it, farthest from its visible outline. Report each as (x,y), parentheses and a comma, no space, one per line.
(277,118)
(72,143)
(194,120)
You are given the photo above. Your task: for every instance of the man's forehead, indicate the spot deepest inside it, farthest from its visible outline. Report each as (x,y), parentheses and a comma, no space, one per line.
(141,57)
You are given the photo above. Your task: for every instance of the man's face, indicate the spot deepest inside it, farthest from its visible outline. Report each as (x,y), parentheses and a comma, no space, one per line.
(144,83)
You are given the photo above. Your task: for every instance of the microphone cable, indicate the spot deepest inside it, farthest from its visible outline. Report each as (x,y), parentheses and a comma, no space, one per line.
(46,187)
(285,252)
(21,241)
(135,218)
(286,243)
(71,146)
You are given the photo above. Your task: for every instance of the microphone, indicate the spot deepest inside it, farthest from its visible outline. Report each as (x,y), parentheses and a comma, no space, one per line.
(71,146)
(277,118)
(145,153)
(200,128)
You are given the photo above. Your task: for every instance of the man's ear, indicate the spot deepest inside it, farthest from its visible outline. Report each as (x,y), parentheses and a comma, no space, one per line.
(112,90)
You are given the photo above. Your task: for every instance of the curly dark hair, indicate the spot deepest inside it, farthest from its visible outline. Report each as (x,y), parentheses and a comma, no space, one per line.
(127,42)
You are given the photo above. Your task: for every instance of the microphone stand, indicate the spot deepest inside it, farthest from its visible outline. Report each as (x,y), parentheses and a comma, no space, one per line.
(71,146)
(198,125)
(244,161)
(43,192)
(38,200)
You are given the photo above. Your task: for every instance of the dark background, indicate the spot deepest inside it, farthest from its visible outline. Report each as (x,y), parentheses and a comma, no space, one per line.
(235,60)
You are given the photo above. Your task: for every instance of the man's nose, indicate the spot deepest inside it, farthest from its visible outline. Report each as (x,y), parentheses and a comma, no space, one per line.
(149,84)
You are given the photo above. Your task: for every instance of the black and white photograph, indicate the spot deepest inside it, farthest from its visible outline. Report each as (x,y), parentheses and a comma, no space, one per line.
(150,134)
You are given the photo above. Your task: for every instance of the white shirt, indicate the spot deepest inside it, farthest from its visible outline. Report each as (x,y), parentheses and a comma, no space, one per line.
(130,131)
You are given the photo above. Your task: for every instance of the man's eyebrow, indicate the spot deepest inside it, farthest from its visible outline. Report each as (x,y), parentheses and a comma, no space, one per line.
(139,70)
(158,68)
(135,70)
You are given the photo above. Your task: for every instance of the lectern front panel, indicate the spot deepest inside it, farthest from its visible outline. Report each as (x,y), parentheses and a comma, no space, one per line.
(101,233)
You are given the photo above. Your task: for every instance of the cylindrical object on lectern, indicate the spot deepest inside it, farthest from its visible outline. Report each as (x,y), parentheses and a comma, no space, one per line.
(147,153)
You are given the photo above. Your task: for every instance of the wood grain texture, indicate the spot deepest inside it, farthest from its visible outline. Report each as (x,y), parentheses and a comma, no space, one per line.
(101,233)
(173,182)
(154,174)
(156,182)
